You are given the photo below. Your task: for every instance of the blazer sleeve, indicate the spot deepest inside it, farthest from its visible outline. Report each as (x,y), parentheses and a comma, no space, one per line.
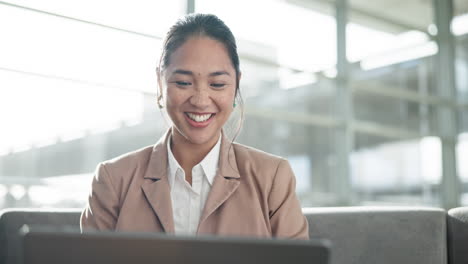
(102,210)
(286,218)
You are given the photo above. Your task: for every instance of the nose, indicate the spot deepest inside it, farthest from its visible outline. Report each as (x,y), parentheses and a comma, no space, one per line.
(200,98)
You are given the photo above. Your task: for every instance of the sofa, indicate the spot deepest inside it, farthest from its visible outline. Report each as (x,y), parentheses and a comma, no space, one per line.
(360,235)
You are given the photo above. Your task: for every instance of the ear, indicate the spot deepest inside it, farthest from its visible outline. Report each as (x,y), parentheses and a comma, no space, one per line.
(158,75)
(239,75)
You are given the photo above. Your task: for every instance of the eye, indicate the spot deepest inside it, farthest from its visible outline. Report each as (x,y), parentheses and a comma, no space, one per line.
(182,83)
(218,85)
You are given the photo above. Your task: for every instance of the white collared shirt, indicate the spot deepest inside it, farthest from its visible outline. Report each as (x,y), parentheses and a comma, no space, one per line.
(188,201)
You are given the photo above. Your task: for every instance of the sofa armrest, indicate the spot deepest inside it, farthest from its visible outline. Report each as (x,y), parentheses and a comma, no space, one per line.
(11,220)
(457,235)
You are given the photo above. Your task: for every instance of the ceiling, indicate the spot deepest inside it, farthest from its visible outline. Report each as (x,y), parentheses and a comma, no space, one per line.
(393,16)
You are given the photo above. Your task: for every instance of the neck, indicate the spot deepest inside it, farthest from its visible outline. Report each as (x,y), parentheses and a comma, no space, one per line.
(187,153)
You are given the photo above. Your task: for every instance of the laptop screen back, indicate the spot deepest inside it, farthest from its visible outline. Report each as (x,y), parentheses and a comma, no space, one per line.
(105,247)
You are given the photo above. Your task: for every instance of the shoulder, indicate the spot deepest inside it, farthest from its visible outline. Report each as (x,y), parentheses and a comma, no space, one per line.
(257,156)
(252,161)
(270,174)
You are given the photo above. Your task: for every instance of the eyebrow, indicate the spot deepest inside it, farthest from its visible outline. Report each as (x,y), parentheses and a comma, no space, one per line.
(217,73)
(186,72)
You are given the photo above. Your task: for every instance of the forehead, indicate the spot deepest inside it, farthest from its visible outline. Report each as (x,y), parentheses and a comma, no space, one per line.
(201,55)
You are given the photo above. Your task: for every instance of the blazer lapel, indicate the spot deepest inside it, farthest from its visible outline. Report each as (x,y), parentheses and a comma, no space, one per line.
(226,180)
(156,185)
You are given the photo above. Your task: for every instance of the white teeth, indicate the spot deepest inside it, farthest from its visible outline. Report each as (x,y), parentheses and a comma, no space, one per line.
(199,118)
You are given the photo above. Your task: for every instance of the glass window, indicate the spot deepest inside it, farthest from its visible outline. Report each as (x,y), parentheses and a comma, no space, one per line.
(389,171)
(393,82)
(399,113)
(298,35)
(391,48)
(51,46)
(462,157)
(152,17)
(460,31)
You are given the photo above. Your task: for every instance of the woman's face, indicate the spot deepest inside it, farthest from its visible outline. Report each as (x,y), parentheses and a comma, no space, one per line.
(199,84)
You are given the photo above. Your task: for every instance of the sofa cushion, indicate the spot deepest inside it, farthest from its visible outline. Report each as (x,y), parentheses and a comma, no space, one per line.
(359,234)
(11,220)
(384,235)
(457,227)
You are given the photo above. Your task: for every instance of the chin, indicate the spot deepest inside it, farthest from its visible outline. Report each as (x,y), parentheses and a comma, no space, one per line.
(199,140)
(201,137)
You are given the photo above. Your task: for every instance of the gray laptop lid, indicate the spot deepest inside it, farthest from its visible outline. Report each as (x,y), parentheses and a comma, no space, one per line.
(52,246)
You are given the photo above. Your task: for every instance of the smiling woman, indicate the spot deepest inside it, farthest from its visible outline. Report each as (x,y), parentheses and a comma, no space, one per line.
(195,180)
(200,98)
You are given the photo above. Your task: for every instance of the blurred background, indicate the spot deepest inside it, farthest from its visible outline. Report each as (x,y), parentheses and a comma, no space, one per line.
(367,99)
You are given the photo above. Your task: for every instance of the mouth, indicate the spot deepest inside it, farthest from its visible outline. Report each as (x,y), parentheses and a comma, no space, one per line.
(199,119)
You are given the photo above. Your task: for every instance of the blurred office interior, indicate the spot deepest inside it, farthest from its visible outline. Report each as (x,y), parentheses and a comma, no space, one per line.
(368,100)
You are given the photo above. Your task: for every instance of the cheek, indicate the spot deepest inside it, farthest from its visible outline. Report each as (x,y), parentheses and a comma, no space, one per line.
(174,96)
(226,103)
(229,96)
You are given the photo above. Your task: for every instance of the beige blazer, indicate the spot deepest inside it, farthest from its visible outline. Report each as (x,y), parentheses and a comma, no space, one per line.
(253,194)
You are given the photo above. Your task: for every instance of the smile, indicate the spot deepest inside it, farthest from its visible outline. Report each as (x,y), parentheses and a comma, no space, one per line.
(199,117)
(199,120)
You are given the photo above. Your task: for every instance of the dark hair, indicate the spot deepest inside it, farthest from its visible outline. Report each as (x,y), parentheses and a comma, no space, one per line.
(200,25)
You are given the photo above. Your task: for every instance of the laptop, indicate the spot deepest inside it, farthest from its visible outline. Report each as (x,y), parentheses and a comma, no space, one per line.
(44,245)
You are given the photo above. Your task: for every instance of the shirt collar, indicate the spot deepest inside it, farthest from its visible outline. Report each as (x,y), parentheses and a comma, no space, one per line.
(211,160)
(209,164)
(173,164)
